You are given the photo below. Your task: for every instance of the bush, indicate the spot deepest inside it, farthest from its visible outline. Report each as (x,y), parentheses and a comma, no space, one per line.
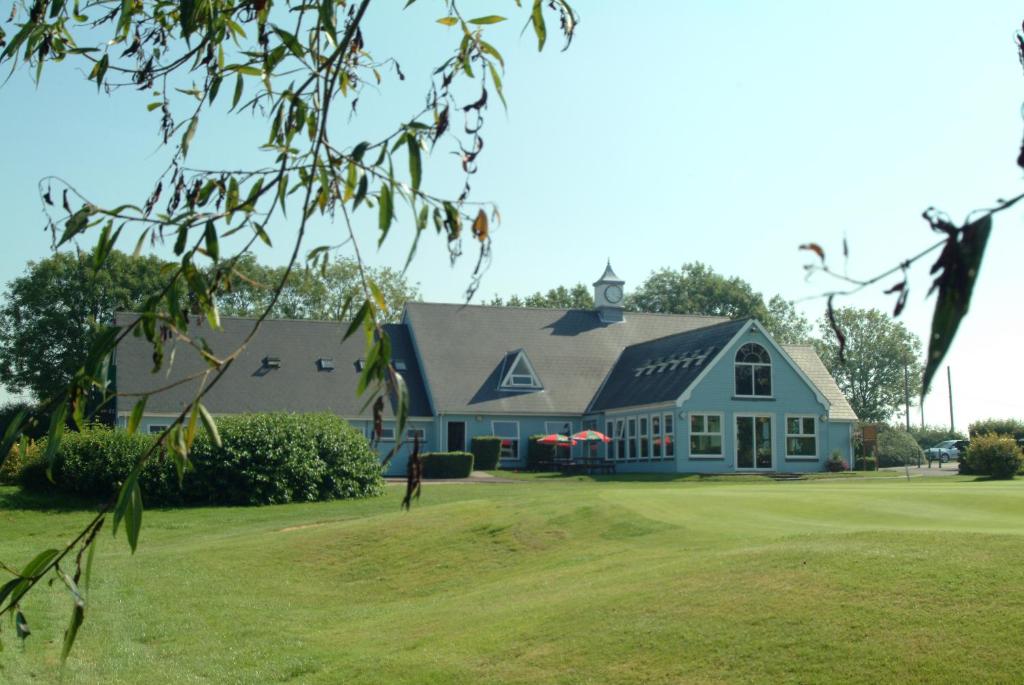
(447,464)
(15,462)
(486,451)
(992,455)
(1011,427)
(537,452)
(897,448)
(836,463)
(866,464)
(264,459)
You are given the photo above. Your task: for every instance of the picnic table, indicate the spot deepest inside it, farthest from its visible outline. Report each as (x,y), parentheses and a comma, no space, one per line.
(587,465)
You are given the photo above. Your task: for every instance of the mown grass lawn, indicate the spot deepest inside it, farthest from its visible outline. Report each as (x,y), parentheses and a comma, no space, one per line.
(559,581)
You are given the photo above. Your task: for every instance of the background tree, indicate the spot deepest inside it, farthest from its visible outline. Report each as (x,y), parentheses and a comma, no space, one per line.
(696,288)
(325,292)
(576,297)
(786,324)
(52,315)
(877,350)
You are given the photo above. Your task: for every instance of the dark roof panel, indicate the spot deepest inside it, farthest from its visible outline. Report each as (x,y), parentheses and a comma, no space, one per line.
(661,370)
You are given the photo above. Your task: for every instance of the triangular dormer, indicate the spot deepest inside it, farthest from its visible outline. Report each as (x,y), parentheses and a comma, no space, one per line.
(520,374)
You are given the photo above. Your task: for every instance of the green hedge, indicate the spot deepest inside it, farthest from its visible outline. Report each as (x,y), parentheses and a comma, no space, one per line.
(537,452)
(866,464)
(264,459)
(447,464)
(992,455)
(1011,427)
(486,451)
(897,447)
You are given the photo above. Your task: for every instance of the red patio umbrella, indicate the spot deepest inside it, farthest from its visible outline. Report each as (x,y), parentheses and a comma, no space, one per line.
(591,436)
(556,439)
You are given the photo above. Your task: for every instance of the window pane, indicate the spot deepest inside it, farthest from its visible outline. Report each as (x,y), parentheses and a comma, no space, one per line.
(744,380)
(763,426)
(800,447)
(714,424)
(696,423)
(808,426)
(706,444)
(745,442)
(670,448)
(792,426)
(668,423)
(655,425)
(763,381)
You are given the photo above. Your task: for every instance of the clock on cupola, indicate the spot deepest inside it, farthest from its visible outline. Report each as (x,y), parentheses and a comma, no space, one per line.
(608,296)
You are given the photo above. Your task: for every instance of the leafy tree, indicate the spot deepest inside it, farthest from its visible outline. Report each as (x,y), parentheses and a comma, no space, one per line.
(577,297)
(300,67)
(871,371)
(697,289)
(311,293)
(52,314)
(786,324)
(1012,427)
(929,436)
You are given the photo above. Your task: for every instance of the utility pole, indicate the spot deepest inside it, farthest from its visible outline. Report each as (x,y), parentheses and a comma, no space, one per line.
(949,382)
(906,394)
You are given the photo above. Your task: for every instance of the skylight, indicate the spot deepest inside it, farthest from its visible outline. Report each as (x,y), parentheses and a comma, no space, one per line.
(325,364)
(672,362)
(272,362)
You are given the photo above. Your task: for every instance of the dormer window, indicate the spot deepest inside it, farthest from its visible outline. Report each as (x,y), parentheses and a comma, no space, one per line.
(272,362)
(753,371)
(520,374)
(325,364)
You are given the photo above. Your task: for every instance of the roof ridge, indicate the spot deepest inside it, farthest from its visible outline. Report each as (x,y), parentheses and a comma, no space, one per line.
(566,309)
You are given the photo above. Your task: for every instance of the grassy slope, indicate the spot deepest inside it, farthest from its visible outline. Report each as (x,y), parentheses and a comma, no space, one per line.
(566,581)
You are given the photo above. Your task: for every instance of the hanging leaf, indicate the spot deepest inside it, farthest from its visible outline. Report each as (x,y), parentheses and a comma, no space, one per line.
(480,226)
(448,21)
(958,266)
(537,19)
(489,19)
(137,411)
(816,249)
(415,164)
(840,336)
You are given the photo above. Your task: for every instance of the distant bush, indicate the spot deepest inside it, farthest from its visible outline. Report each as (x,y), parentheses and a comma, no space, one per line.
(929,436)
(1012,427)
(866,464)
(486,451)
(538,452)
(896,448)
(15,462)
(264,459)
(992,455)
(447,464)
(836,463)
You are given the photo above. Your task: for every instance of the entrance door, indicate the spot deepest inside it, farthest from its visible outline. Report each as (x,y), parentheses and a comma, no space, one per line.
(754,442)
(456,436)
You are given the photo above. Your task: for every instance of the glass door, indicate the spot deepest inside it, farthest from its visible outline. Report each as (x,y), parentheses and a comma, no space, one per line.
(754,442)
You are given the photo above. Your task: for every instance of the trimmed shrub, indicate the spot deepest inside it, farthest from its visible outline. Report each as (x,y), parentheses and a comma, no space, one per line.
(447,464)
(897,448)
(836,463)
(264,459)
(537,453)
(486,451)
(866,464)
(992,455)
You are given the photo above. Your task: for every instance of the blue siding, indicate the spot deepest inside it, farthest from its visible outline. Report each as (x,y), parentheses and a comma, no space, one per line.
(791,395)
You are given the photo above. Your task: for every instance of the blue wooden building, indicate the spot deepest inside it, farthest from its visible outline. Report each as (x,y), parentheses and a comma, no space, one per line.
(676,393)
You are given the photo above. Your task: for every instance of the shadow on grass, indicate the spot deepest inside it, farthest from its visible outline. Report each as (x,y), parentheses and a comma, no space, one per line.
(13,498)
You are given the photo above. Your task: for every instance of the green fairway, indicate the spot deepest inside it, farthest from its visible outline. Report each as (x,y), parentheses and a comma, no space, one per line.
(549,581)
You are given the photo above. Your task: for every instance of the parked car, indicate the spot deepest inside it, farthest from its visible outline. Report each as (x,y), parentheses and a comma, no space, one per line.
(947,450)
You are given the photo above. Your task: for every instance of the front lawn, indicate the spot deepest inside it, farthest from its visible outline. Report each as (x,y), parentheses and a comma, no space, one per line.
(557,581)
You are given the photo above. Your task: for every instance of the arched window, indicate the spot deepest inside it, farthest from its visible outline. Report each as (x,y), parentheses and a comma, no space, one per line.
(753,371)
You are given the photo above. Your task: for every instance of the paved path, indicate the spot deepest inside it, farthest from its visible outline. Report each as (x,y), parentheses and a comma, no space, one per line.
(936,471)
(475,477)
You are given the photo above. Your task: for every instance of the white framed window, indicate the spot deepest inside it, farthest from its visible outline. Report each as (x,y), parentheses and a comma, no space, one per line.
(412,434)
(753,371)
(620,439)
(801,437)
(631,435)
(387,432)
(508,431)
(656,439)
(645,440)
(560,427)
(157,428)
(670,447)
(706,434)
(610,445)
(520,374)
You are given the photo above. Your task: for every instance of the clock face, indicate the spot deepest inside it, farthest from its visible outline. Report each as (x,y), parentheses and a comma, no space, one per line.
(613,294)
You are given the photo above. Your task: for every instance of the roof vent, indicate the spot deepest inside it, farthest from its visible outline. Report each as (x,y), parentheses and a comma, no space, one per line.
(325,364)
(272,362)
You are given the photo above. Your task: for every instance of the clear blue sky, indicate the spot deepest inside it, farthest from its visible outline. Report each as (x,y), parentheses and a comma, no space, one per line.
(727,133)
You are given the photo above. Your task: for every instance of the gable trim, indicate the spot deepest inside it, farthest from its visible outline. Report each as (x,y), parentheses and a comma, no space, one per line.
(775,346)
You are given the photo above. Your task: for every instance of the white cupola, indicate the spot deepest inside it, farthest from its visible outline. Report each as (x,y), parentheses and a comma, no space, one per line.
(608,296)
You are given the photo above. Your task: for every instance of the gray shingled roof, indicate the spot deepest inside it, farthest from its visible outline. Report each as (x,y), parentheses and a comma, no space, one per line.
(298,385)
(661,370)
(810,363)
(463,347)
